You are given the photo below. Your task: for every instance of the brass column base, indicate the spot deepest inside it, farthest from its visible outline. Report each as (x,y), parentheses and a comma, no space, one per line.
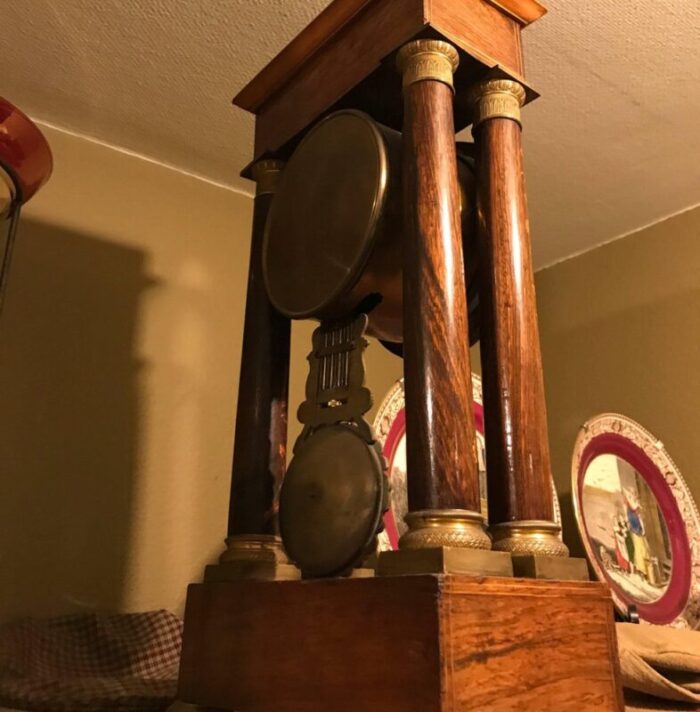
(530,537)
(538,551)
(450,541)
(363,572)
(436,528)
(550,568)
(258,557)
(445,560)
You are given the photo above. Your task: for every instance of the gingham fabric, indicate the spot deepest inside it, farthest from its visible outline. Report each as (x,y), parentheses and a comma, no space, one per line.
(91,663)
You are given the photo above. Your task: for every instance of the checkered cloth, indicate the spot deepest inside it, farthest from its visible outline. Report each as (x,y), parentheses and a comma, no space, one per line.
(91,663)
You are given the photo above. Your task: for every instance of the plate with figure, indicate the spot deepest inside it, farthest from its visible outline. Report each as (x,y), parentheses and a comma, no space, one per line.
(390,430)
(638,521)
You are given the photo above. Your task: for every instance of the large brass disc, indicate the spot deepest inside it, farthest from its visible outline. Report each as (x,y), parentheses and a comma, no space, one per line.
(325,214)
(332,501)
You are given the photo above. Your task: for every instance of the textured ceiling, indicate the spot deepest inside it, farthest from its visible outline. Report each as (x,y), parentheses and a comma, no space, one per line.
(611,146)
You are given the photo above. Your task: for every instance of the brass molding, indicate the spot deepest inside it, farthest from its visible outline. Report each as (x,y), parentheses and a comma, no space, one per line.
(435,528)
(7,193)
(446,560)
(428,59)
(254,547)
(266,174)
(253,557)
(497,99)
(536,537)
(550,568)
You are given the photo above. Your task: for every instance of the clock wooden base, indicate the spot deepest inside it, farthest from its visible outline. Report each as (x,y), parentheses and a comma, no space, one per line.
(400,644)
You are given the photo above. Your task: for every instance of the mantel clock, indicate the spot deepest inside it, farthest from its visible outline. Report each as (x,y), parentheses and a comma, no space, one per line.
(371,219)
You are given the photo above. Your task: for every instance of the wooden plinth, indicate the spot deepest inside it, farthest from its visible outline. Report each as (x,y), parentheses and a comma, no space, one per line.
(428,643)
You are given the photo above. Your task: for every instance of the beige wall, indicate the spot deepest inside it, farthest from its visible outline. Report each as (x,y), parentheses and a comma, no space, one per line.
(620,330)
(119,357)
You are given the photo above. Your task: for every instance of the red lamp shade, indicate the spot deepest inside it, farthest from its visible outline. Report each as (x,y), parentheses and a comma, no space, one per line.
(25,165)
(25,155)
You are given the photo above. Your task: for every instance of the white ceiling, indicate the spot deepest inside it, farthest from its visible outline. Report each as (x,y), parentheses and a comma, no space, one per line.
(612,145)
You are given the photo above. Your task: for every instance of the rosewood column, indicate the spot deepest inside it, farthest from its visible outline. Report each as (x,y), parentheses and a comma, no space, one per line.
(259,456)
(443,481)
(517,450)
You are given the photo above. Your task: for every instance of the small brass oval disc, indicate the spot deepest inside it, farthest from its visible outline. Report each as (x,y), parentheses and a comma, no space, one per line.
(332,501)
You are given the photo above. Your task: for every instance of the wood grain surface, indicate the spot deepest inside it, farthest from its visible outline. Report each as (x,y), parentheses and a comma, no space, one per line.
(404,644)
(259,456)
(342,12)
(525,11)
(514,646)
(482,30)
(517,447)
(442,469)
(344,58)
(352,53)
(297,53)
(315,646)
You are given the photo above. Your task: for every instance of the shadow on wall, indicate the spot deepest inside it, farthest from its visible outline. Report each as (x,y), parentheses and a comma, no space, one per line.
(69,420)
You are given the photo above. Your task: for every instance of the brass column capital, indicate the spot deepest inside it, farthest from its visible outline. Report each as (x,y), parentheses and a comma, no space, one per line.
(266,174)
(254,547)
(428,59)
(435,528)
(497,98)
(539,538)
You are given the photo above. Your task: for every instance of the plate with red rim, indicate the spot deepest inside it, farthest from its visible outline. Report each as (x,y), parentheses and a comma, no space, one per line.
(638,521)
(390,430)
(25,155)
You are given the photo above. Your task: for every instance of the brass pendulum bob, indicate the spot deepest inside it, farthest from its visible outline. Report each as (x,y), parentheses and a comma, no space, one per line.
(335,492)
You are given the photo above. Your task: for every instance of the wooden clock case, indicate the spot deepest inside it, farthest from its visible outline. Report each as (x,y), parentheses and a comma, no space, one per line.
(439,640)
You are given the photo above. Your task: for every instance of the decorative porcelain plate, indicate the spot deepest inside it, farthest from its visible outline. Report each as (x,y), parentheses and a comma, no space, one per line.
(390,428)
(638,521)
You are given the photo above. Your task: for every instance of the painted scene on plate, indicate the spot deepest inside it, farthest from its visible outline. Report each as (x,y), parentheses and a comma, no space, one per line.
(627,530)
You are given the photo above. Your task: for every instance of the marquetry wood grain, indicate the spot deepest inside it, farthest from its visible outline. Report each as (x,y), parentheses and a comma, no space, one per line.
(517,447)
(442,470)
(428,643)
(259,456)
(518,647)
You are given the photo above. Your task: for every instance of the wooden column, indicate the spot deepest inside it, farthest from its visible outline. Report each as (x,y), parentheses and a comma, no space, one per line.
(517,449)
(443,481)
(259,457)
